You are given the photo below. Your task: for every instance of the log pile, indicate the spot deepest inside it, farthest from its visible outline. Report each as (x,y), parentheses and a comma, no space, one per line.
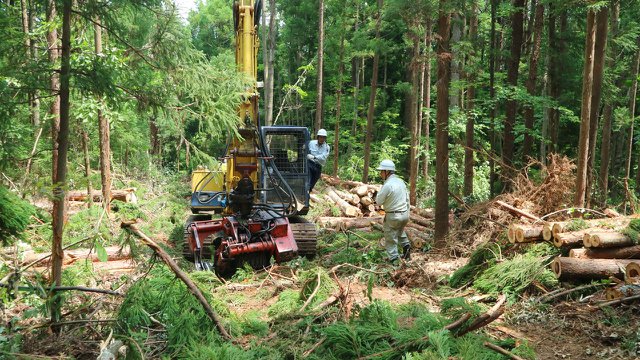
(358,210)
(124,195)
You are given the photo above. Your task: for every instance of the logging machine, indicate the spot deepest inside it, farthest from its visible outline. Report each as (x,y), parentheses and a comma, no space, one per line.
(261,188)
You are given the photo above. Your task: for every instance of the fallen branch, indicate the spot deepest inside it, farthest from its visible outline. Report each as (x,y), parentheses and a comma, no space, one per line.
(312,349)
(180,274)
(86,289)
(517,211)
(502,351)
(618,301)
(313,294)
(549,297)
(486,318)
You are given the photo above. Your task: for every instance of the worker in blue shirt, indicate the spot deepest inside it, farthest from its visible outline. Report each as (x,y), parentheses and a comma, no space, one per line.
(318,154)
(394,197)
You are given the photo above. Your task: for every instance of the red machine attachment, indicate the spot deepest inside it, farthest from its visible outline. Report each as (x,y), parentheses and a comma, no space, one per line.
(231,241)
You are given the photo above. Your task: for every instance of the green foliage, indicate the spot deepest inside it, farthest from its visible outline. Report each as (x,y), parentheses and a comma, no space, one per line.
(185,325)
(288,301)
(577,224)
(15,215)
(479,260)
(633,230)
(513,276)
(309,280)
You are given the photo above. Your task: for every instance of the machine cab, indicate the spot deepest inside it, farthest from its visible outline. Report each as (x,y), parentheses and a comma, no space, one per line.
(288,146)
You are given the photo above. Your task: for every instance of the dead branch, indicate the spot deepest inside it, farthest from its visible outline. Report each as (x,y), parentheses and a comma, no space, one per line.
(551,296)
(517,211)
(487,317)
(502,351)
(313,294)
(181,275)
(618,301)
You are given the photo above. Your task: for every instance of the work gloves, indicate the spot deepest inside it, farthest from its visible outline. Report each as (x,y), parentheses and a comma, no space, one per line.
(311,157)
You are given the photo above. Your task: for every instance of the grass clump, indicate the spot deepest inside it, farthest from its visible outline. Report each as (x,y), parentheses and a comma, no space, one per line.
(513,276)
(288,301)
(479,260)
(15,215)
(633,231)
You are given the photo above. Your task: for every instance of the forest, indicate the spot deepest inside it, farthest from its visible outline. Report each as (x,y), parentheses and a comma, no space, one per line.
(510,121)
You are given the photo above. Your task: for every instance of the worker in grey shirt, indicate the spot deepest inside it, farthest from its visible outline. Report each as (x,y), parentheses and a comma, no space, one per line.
(318,154)
(395,199)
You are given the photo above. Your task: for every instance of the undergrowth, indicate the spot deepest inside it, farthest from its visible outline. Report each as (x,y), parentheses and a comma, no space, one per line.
(411,331)
(15,215)
(479,260)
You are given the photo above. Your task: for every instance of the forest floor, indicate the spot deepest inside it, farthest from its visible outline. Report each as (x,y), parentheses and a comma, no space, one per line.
(351,265)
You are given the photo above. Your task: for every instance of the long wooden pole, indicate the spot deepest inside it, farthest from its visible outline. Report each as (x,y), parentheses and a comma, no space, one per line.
(181,275)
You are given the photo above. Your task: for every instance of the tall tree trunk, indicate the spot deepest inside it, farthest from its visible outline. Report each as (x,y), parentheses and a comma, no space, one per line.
(600,48)
(492,95)
(554,80)
(87,166)
(471,94)
(319,98)
(605,146)
(104,133)
(585,113)
(442,124)
(632,112)
(517,19)
(355,66)
(54,110)
(372,100)
(271,55)
(456,37)
(426,119)
(413,114)
(59,210)
(531,80)
(336,135)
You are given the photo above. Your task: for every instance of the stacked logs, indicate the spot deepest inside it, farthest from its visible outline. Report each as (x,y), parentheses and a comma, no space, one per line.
(602,251)
(356,201)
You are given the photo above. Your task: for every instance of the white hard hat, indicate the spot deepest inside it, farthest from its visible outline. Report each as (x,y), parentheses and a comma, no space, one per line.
(387,165)
(322,132)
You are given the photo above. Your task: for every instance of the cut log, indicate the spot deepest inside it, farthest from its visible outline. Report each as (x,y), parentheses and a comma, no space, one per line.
(569,240)
(334,181)
(347,223)
(632,272)
(567,268)
(346,208)
(124,195)
(316,199)
(547,234)
(517,211)
(425,213)
(511,233)
(608,239)
(418,227)
(370,208)
(622,291)
(366,201)
(362,190)
(114,253)
(629,252)
(578,253)
(420,220)
(604,224)
(611,213)
(528,233)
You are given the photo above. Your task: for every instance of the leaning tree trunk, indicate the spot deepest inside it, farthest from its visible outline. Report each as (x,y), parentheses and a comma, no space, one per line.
(531,81)
(372,101)
(517,19)
(319,89)
(585,122)
(600,48)
(442,122)
(58,214)
(104,133)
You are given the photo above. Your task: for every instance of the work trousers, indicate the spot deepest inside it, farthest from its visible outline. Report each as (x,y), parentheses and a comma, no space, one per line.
(393,225)
(315,170)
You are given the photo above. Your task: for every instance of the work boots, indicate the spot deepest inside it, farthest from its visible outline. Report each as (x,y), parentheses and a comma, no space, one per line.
(406,252)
